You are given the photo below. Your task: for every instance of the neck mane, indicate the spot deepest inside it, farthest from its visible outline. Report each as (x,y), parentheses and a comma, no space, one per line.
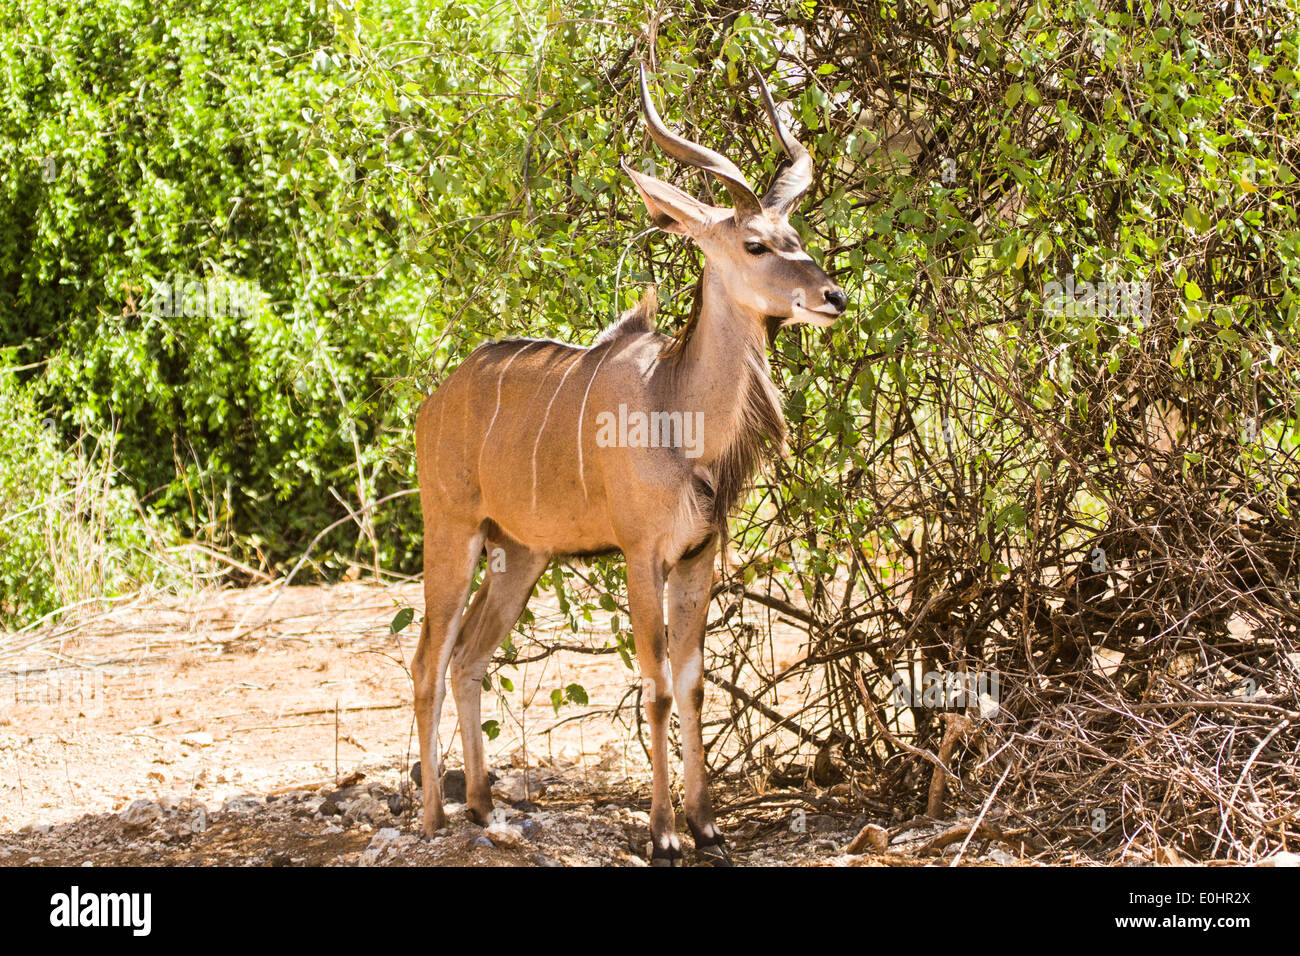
(718,364)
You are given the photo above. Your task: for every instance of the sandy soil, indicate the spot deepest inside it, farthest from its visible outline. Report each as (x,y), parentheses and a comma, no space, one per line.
(225,728)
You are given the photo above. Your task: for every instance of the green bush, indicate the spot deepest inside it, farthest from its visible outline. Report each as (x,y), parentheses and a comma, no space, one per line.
(180,138)
(70,532)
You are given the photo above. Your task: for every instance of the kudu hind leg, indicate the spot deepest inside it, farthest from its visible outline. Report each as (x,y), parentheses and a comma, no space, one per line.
(689,585)
(449,561)
(512,570)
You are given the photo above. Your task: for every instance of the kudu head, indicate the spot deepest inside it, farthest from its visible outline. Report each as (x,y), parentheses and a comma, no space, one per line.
(752,247)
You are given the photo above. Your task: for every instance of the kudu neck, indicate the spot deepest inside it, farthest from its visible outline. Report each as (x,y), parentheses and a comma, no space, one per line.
(726,349)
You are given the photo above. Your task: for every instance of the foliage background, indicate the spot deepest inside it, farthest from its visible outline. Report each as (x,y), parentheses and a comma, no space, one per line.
(404,180)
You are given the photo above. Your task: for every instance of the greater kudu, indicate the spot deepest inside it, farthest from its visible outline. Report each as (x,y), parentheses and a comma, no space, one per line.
(515,452)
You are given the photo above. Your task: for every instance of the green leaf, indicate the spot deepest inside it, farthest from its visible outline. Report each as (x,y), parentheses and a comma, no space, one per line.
(402,619)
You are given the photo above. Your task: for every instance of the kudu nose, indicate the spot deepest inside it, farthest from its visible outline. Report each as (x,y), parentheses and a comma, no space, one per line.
(836,297)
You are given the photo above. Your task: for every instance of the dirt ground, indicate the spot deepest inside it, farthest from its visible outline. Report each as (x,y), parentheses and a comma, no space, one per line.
(275,727)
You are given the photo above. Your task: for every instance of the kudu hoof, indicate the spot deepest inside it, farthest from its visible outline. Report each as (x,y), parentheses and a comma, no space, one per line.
(715,855)
(665,856)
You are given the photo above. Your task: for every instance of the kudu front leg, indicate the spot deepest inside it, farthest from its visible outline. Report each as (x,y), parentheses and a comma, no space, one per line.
(645,598)
(689,585)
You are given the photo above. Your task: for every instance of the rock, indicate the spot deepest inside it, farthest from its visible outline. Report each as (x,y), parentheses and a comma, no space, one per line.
(541,859)
(397,804)
(511,789)
(387,841)
(338,801)
(529,828)
(1001,856)
(1281,858)
(384,837)
(515,788)
(331,830)
(453,785)
(483,842)
(366,810)
(200,738)
(242,803)
(503,834)
(141,814)
(819,822)
(176,803)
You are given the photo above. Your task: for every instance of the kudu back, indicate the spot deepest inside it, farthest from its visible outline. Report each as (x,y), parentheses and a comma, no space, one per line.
(640,443)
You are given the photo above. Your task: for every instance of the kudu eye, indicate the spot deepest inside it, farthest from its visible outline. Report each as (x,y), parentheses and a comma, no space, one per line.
(755,248)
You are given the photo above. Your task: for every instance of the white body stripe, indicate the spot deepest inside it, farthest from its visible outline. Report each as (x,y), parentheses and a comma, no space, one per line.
(538,444)
(582,475)
(496,411)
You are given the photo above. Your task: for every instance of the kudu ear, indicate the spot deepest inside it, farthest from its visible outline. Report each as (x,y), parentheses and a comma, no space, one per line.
(671,209)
